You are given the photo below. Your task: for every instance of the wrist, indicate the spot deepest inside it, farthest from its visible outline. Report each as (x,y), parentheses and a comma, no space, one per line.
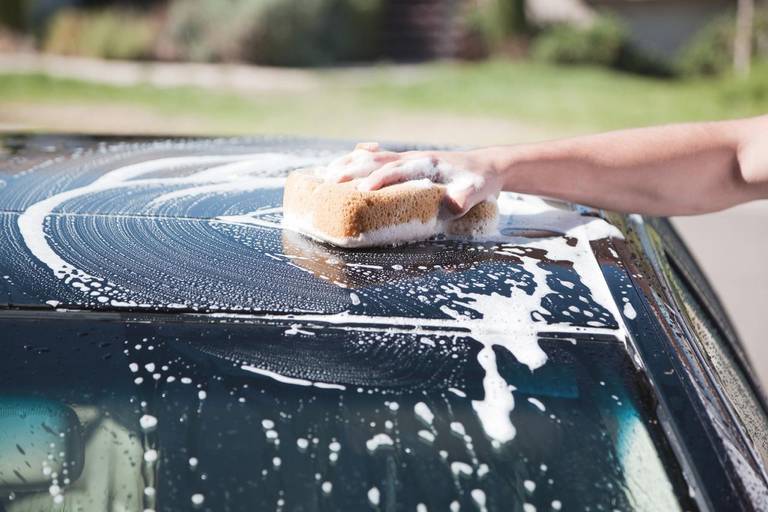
(493,161)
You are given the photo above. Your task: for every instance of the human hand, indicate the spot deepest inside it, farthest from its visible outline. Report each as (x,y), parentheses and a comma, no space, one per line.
(468,176)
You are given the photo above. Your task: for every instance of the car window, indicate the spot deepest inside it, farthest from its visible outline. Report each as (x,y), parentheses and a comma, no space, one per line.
(266,416)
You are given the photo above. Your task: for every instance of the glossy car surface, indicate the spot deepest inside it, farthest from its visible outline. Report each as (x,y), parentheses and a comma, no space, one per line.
(167,345)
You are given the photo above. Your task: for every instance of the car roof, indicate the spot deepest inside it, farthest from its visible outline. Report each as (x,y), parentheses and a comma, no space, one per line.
(195,226)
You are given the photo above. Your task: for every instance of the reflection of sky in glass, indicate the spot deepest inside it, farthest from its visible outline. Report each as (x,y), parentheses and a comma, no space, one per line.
(403,429)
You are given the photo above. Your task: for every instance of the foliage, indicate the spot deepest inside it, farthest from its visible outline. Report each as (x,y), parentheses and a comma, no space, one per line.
(210,30)
(276,32)
(12,14)
(109,34)
(711,50)
(601,43)
(491,23)
(605,42)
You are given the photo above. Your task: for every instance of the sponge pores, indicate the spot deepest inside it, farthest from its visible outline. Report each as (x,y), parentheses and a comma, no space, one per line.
(406,212)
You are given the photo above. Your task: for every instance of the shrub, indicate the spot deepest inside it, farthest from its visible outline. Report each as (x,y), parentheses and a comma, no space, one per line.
(487,26)
(108,34)
(12,14)
(210,30)
(601,43)
(312,32)
(276,32)
(710,52)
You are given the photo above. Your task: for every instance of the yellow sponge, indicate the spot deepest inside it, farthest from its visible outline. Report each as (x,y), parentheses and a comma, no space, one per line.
(407,212)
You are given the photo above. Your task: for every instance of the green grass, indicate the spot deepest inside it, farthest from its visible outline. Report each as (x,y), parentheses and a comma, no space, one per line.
(217,112)
(572,97)
(563,99)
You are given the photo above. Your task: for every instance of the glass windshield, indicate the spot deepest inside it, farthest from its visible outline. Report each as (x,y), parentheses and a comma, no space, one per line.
(136,414)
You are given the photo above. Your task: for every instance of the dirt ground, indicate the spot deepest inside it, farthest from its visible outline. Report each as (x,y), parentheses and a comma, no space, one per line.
(416,127)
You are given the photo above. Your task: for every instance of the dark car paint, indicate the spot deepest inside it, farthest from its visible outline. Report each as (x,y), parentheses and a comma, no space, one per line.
(696,397)
(693,407)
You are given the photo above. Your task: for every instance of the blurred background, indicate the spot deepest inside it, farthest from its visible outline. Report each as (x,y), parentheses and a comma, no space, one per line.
(468,72)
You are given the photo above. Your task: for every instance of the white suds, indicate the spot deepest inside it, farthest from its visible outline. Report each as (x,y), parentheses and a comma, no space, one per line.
(147,422)
(478,495)
(426,341)
(537,403)
(374,496)
(629,311)
(423,412)
(378,441)
(390,235)
(461,469)
(290,380)
(427,436)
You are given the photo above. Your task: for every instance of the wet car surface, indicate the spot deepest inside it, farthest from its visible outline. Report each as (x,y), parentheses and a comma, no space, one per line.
(167,345)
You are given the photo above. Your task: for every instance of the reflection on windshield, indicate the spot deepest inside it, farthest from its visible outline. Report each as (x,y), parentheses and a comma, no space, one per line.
(101,415)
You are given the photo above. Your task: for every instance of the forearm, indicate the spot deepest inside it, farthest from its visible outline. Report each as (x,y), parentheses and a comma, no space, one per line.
(667,170)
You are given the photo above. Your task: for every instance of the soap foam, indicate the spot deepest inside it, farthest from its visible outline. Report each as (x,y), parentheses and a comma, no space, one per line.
(396,234)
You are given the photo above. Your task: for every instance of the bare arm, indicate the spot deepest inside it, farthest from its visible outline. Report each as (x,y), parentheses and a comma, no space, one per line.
(667,170)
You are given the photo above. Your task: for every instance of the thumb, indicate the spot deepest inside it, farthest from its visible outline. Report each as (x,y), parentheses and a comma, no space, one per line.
(459,201)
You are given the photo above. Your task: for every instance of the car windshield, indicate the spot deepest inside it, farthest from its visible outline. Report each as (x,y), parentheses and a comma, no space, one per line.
(167,344)
(143,413)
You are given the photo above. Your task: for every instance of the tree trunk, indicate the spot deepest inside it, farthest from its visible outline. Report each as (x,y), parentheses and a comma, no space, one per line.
(742,44)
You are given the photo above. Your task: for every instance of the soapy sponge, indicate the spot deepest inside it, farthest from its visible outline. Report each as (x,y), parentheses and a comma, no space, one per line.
(340,214)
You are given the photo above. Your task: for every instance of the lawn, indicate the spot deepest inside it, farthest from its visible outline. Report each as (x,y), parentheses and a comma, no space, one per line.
(576,97)
(493,101)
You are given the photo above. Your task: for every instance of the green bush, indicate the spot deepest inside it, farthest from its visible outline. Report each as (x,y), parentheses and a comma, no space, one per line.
(601,43)
(210,30)
(108,34)
(13,14)
(496,20)
(710,52)
(275,32)
(491,26)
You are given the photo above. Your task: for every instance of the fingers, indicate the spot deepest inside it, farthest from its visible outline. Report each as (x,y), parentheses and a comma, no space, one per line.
(362,167)
(388,174)
(460,202)
(403,169)
(466,191)
(365,159)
